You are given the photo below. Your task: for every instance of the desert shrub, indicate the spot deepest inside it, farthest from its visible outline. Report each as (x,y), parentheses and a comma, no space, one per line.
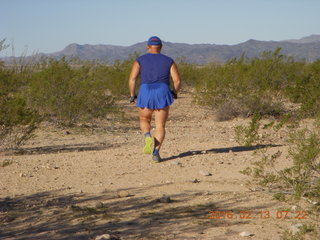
(248,135)
(17,119)
(301,178)
(68,95)
(115,77)
(304,88)
(243,87)
(189,73)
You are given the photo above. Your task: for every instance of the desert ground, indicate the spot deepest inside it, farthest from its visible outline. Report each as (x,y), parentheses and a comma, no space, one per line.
(97,184)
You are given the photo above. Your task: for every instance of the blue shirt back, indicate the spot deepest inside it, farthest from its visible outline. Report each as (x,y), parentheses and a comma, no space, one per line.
(155,68)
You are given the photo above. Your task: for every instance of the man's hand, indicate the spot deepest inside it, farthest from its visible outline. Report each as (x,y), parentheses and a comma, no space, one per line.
(132,99)
(174,94)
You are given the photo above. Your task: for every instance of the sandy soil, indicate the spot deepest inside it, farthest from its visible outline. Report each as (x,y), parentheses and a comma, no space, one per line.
(72,185)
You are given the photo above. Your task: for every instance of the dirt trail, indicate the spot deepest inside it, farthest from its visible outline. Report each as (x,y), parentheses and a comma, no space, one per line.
(73,186)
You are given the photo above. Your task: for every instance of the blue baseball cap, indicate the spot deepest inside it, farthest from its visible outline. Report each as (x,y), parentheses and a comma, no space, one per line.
(154,40)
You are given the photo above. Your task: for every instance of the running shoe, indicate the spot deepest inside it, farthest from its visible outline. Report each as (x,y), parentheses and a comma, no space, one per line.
(147,145)
(156,158)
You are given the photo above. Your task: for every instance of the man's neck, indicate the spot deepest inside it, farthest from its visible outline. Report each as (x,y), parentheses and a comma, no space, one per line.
(154,50)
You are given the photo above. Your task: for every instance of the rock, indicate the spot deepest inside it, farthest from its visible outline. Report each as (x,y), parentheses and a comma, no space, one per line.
(204,152)
(195,180)
(296,228)
(123,194)
(164,199)
(103,237)
(246,234)
(99,205)
(7,219)
(176,163)
(205,173)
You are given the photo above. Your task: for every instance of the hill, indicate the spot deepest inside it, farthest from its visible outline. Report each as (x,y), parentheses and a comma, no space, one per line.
(307,48)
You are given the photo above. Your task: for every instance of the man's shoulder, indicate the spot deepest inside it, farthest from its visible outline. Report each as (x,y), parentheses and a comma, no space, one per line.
(149,56)
(141,57)
(166,57)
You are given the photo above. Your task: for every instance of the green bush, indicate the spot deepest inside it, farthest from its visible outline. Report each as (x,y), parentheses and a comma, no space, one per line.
(304,88)
(243,87)
(301,179)
(69,95)
(17,119)
(248,135)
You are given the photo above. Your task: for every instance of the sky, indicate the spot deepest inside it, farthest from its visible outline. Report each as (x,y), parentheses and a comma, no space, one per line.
(34,26)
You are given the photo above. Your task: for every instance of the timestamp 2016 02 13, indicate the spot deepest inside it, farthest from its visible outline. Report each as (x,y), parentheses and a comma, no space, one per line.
(262,214)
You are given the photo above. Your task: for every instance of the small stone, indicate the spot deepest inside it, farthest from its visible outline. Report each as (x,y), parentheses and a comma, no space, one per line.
(296,228)
(66,132)
(205,173)
(99,205)
(103,237)
(175,163)
(246,234)
(123,194)
(164,199)
(221,162)
(195,180)
(22,175)
(8,219)
(204,152)
(294,208)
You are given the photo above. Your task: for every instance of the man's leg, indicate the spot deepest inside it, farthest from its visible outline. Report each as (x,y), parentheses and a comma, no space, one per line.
(161,117)
(145,116)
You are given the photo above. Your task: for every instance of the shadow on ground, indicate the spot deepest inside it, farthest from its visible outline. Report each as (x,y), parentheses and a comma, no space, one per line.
(61,148)
(54,215)
(220,150)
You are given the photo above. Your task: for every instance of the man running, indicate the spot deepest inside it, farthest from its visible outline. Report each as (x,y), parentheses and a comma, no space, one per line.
(155,95)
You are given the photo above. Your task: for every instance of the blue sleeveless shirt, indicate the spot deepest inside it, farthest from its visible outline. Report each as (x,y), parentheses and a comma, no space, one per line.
(155,68)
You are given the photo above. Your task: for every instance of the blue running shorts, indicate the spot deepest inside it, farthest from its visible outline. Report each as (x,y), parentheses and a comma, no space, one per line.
(154,96)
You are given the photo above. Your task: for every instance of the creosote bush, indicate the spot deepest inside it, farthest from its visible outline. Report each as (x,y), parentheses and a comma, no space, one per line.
(65,92)
(17,119)
(301,178)
(248,135)
(263,85)
(68,95)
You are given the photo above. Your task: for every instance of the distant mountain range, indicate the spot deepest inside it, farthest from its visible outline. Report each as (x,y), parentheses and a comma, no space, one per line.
(307,48)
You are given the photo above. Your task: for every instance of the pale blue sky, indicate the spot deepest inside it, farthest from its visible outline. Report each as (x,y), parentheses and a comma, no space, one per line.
(50,25)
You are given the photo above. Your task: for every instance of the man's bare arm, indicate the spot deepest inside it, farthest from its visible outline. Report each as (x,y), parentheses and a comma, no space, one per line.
(133,78)
(175,77)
